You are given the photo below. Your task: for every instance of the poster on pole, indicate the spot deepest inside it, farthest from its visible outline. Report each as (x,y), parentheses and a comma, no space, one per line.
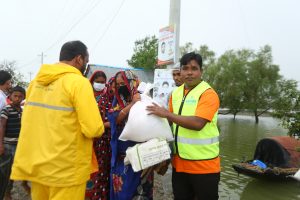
(166,45)
(163,86)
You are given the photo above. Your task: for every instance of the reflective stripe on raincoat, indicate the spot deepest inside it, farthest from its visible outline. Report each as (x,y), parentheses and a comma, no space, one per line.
(59,120)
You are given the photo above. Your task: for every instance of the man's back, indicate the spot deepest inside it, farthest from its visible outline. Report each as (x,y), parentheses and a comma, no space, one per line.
(59,119)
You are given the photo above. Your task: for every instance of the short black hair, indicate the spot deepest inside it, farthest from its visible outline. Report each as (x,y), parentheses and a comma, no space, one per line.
(4,76)
(186,58)
(72,49)
(18,89)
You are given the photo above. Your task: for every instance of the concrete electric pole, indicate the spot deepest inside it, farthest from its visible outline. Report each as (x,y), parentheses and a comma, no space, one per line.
(30,74)
(174,19)
(42,57)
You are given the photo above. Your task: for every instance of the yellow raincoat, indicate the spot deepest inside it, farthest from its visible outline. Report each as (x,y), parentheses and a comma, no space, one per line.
(59,120)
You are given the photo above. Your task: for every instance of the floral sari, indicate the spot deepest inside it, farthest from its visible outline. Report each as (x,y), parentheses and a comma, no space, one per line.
(126,184)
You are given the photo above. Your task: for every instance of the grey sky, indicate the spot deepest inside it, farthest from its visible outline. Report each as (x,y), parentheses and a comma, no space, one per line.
(110,27)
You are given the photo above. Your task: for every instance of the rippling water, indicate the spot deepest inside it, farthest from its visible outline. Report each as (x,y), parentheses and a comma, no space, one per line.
(238,142)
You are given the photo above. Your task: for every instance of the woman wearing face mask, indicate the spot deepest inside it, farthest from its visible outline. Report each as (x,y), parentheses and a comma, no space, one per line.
(98,185)
(125,184)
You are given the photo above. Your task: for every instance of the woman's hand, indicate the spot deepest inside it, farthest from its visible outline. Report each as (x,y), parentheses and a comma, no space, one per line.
(162,167)
(136,97)
(106,125)
(157,110)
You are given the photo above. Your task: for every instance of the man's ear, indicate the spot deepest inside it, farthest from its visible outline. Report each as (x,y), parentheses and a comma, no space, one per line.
(78,59)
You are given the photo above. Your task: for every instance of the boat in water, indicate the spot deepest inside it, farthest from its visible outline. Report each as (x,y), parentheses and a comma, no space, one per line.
(275,158)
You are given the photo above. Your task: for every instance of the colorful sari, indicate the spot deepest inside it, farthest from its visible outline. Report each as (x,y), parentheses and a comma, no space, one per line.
(126,184)
(99,184)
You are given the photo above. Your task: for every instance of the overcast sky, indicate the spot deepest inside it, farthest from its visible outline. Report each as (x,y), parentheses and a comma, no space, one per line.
(110,27)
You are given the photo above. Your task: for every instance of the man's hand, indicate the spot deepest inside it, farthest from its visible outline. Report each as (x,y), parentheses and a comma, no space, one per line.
(157,110)
(1,150)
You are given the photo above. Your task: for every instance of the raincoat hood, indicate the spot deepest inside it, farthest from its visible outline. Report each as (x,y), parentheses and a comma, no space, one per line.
(51,72)
(60,119)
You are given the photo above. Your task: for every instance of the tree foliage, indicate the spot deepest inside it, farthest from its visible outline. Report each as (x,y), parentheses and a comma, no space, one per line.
(228,77)
(245,80)
(17,77)
(208,56)
(287,106)
(145,53)
(262,78)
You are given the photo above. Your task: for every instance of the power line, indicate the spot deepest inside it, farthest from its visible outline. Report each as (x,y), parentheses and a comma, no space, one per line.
(107,28)
(74,25)
(27,64)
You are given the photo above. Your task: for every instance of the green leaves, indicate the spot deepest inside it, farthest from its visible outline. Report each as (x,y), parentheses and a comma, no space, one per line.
(287,106)
(145,53)
(17,77)
(245,80)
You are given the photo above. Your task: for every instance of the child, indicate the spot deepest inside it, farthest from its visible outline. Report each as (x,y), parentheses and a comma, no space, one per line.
(10,129)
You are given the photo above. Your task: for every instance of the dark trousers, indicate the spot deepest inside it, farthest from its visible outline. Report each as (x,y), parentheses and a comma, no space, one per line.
(195,186)
(5,168)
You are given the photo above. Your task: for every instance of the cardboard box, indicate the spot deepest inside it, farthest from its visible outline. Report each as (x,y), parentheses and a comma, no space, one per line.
(147,154)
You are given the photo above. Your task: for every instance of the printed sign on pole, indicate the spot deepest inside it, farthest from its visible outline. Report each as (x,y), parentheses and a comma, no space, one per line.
(166,45)
(163,86)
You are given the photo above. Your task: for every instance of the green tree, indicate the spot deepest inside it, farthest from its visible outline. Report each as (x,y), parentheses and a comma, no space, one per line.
(261,82)
(208,56)
(145,53)
(227,77)
(17,77)
(287,106)
(186,48)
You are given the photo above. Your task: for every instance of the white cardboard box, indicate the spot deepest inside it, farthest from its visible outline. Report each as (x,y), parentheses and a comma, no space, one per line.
(147,154)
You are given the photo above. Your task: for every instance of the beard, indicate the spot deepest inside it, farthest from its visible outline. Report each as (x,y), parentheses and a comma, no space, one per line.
(83,69)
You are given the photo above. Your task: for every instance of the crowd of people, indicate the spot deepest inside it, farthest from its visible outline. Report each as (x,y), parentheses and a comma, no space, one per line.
(68,148)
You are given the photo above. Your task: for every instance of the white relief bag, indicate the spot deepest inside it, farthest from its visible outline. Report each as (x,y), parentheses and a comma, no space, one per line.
(142,127)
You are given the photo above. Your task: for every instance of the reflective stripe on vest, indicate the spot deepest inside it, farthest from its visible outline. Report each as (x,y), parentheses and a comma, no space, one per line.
(191,144)
(198,141)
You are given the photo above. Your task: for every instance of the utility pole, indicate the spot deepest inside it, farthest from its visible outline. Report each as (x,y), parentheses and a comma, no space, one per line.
(174,19)
(42,57)
(30,73)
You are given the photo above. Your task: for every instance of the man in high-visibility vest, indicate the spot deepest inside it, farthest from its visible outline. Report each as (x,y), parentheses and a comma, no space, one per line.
(193,110)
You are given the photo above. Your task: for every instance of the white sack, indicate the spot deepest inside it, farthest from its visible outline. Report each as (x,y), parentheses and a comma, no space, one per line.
(142,156)
(142,127)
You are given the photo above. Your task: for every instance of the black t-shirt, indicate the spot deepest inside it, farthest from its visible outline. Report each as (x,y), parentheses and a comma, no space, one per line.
(13,124)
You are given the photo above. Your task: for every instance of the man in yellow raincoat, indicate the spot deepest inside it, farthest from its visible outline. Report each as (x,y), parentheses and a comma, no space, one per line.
(59,121)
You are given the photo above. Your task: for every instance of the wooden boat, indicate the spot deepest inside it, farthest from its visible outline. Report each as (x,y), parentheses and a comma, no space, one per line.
(280,154)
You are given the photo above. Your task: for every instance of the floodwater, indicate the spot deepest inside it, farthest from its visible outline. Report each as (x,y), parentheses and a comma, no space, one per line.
(238,141)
